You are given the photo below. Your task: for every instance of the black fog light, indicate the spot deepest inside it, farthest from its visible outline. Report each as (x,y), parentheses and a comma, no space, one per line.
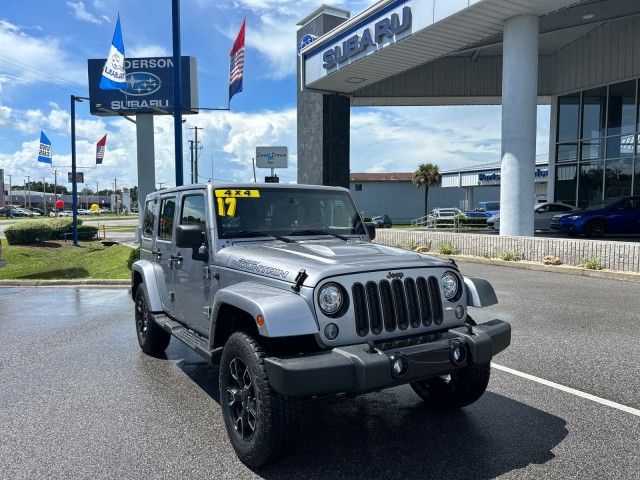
(331,331)
(459,312)
(399,365)
(457,353)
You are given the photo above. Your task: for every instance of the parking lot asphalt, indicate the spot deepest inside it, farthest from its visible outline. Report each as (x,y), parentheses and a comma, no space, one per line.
(79,400)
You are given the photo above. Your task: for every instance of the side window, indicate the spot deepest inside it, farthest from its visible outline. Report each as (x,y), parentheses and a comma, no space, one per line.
(193,211)
(563,208)
(546,208)
(165,225)
(149,218)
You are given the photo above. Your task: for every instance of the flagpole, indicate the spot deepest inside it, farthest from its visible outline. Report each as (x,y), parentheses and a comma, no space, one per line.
(177,106)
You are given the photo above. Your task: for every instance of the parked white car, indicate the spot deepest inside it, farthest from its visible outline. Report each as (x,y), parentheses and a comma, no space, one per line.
(543,213)
(66,213)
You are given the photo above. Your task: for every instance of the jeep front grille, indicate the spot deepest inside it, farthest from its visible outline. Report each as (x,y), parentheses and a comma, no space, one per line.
(396,305)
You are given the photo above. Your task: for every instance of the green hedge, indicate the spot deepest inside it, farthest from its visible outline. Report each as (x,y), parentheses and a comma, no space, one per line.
(87,232)
(41,230)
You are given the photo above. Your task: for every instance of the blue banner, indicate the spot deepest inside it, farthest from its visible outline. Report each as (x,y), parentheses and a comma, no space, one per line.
(44,153)
(113,73)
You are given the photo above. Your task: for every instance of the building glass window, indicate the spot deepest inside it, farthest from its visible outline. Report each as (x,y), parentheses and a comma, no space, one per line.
(568,117)
(621,116)
(592,149)
(566,183)
(636,178)
(590,184)
(567,152)
(618,177)
(621,146)
(594,107)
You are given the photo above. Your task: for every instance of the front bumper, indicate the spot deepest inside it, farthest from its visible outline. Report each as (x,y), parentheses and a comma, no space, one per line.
(356,369)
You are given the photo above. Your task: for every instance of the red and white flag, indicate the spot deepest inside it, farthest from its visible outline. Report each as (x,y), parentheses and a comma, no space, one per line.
(236,65)
(100,147)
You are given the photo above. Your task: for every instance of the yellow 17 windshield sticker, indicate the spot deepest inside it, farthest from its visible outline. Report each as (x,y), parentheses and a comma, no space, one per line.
(227,200)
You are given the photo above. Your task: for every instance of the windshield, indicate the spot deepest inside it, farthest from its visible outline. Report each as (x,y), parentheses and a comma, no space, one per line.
(285,211)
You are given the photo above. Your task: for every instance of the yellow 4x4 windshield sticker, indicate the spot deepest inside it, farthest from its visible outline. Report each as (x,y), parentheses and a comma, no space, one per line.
(235,193)
(227,200)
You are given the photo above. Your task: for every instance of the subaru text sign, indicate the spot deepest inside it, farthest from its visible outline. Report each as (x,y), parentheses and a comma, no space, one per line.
(272,157)
(149,87)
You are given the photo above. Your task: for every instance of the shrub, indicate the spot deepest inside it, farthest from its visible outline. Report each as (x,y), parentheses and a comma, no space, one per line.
(134,255)
(591,263)
(29,231)
(412,245)
(510,256)
(447,248)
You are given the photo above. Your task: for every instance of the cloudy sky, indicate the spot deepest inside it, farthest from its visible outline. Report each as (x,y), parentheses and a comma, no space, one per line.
(44,45)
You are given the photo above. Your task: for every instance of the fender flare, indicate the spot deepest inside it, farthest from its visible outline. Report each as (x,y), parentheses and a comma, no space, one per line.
(480,293)
(147,271)
(285,313)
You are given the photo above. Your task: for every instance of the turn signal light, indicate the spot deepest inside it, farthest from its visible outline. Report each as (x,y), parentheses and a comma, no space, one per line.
(260,320)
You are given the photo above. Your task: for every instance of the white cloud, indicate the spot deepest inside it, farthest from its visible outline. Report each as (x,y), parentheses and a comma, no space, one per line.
(81,13)
(147,50)
(17,48)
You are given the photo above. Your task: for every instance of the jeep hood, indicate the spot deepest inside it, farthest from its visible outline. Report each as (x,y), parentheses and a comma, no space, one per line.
(319,258)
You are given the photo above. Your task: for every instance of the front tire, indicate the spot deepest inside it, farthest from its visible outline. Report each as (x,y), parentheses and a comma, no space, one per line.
(152,339)
(258,420)
(595,229)
(459,389)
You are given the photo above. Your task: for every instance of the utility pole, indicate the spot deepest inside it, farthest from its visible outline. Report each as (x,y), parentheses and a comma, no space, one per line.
(10,202)
(191,150)
(55,190)
(195,159)
(115,194)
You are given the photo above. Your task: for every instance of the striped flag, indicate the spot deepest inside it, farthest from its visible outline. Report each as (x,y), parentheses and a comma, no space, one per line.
(100,147)
(236,67)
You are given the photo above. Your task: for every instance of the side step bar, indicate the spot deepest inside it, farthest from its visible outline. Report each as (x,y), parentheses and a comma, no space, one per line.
(191,339)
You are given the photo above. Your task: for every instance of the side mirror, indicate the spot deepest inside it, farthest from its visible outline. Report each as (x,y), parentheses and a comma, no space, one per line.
(189,236)
(371,229)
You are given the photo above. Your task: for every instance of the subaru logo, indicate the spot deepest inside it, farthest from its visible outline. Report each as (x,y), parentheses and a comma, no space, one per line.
(306,40)
(398,275)
(141,83)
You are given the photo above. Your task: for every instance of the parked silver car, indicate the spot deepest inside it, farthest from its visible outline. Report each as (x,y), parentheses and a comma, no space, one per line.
(542,215)
(282,287)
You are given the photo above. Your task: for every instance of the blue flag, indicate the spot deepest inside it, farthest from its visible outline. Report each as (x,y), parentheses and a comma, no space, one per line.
(113,74)
(44,153)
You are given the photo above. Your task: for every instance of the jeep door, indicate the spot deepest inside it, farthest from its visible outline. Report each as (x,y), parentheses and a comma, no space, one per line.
(164,249)
(191,282)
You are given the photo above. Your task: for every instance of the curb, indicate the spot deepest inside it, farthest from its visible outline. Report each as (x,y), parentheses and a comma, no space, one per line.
(567,270)
(66,283)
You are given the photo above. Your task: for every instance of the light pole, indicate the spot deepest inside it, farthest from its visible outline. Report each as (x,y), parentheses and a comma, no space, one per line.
(177,106)
(44,195)
(74,183)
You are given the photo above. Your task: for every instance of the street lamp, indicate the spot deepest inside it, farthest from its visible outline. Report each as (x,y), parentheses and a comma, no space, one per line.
(74,183)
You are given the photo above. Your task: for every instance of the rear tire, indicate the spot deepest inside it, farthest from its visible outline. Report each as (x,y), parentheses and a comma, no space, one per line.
(259,421)
(595,229)
(152,339)
(463,387)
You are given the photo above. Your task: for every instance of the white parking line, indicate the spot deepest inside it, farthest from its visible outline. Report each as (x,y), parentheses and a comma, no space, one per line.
(573,391)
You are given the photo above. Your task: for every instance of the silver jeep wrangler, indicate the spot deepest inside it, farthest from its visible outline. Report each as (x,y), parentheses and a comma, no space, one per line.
(281,286)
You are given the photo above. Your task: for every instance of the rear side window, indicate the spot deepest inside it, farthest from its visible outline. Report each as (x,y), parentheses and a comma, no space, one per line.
(193,211)
(150,212)
(167,213)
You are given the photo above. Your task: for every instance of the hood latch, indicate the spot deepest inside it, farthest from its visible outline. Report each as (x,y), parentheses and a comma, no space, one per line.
(299,280)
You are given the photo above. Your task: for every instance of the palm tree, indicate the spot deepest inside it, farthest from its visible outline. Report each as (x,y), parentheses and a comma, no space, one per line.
(427,175)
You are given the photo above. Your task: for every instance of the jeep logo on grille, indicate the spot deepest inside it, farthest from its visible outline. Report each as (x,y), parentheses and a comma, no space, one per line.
(398,275)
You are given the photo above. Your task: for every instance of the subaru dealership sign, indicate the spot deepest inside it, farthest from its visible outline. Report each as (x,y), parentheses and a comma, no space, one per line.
(149,87)
(272,157)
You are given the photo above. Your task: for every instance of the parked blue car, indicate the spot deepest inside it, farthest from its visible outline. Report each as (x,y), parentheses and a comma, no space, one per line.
(484,210)
(615,215)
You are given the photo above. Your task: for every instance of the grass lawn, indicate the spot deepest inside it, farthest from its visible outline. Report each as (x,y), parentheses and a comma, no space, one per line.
(56,260)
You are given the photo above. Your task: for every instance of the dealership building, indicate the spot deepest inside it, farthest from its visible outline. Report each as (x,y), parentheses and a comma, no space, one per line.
(580,57)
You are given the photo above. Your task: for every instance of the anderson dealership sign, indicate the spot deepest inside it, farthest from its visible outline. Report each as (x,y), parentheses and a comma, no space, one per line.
(149,87)
(382,28)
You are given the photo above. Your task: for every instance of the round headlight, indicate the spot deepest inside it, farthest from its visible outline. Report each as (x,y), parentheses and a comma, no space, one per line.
(450,285)
(330,298)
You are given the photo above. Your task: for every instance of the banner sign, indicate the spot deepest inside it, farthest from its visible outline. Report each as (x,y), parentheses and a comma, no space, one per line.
(100,147)
(113,73)
(79,177)
(44,152)
(272,157)
(149,87)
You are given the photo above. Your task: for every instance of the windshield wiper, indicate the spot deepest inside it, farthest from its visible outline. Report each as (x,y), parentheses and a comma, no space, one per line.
(254,233)
(318,232)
